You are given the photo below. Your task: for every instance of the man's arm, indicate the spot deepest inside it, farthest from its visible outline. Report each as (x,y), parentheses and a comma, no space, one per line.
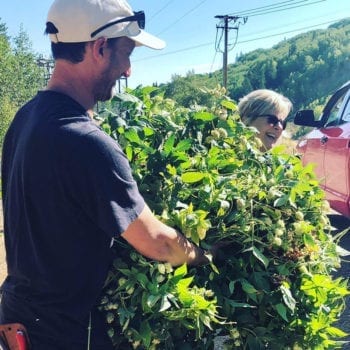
(157,241)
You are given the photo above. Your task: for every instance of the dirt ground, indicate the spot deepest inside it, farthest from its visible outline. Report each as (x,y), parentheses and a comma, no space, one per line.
(2,248)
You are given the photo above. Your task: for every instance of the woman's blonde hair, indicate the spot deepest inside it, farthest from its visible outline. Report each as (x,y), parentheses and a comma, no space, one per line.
(261,102)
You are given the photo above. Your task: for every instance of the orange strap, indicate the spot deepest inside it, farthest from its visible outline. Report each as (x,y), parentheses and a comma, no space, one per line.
(14,336)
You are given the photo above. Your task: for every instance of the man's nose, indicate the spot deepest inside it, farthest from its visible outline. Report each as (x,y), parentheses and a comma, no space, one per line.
(127,73)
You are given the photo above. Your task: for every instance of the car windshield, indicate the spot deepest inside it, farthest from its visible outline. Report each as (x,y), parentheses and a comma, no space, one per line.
(334,116)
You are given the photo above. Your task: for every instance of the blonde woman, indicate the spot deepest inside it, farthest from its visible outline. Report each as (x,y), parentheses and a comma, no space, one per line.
(267,111)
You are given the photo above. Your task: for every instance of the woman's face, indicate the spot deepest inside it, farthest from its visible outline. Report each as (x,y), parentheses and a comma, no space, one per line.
(270,128)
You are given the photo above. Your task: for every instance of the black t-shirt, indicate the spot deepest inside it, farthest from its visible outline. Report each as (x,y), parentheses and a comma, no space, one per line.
(67,191)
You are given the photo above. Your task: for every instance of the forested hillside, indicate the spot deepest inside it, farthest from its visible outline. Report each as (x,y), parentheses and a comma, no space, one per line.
(306,68)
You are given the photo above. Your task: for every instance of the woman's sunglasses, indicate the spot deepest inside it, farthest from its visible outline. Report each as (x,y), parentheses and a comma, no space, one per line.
(272,119)
(138,17)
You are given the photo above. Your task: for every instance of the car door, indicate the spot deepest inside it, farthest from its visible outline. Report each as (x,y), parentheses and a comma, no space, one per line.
(335,141)
(313,150)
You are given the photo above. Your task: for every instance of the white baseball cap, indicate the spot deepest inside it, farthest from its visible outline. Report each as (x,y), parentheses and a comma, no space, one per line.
(72,21)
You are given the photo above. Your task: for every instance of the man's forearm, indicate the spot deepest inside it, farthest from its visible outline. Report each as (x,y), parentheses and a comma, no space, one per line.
(181,251)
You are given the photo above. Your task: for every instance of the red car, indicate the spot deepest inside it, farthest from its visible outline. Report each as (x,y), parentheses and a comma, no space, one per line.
(328,147)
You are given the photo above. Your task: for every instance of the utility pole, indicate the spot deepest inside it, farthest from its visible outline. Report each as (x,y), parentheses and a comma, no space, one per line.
(125,79)
(227,19)
(47,64)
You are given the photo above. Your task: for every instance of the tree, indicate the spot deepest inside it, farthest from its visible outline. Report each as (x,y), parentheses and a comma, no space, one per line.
(20,77)
(187,91)
(29,77)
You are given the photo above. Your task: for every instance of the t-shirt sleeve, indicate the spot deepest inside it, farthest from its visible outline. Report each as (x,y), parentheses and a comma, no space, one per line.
(103,184)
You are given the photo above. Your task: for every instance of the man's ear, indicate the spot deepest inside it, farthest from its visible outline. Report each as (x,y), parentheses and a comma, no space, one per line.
(99,46)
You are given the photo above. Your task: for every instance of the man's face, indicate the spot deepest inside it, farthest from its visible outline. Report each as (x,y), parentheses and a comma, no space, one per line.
(117,57)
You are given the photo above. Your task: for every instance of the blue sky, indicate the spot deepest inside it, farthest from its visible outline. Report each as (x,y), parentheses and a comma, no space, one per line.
(189,28)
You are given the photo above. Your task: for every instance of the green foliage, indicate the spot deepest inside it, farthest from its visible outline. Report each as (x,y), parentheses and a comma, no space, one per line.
(149,303)
(200,170)
(188,91)
(20,78)
(28,77)
(304,68)
(7,111)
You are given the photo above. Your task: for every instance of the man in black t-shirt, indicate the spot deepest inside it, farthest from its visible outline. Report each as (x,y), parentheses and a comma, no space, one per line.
(67,186)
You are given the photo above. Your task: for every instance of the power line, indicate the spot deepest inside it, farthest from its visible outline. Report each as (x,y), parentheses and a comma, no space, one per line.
(183,16)
(238,42)
(286,32)
(160,10)
(212,63)
(239,13)
(271,6)
(173,52)
(272,10)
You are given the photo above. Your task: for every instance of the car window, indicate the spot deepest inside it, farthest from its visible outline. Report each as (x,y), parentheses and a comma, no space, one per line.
(346,114)
(333,116)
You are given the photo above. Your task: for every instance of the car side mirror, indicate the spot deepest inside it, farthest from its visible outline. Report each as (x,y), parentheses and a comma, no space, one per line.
(306,117)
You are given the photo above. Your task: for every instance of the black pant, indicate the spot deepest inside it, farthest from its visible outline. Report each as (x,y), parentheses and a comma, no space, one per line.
(50,330)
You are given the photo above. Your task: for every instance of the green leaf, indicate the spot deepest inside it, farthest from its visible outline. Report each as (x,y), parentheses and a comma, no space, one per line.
(142,279)
(281,201)
(152,300)
(229,105)
(185,282)
(282,311)
(146,333)
(165,304)
(181,270)
(183,145)
(192,177)
(126,97)
(205,116)
(129,152)
(206,320)
(147,90)
(171,169)
(248,288)
(260,256)
(148,131)
(231,286)
(239,304)
(169,145)
(131,135)
(253,342)
(288,297)
(336,332)
(309,240)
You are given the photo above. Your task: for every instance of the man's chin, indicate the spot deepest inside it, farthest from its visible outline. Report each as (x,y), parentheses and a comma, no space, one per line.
(108,95)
